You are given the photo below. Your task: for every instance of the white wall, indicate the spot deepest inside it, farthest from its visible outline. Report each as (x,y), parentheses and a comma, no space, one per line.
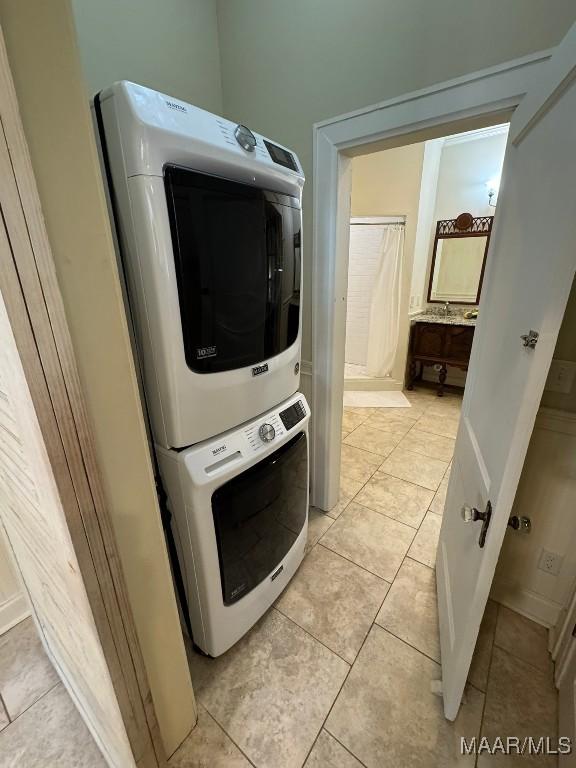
(287,65)
(466,165)
(456,171)
(169,46)
(565,350)
(426,224)
(547,495)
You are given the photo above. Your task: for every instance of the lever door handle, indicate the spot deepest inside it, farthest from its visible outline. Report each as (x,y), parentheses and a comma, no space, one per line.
(472,515)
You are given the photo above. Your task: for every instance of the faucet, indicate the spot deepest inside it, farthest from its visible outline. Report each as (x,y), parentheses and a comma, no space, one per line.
(446,309)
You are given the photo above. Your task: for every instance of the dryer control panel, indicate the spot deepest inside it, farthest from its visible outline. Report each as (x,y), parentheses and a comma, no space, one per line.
(292,415)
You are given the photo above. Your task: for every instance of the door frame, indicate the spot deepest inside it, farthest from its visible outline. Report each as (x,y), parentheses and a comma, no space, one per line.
(488,96)
(35,310)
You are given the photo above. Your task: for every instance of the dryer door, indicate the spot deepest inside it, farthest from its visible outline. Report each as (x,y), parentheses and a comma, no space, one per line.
(258,516)
(237,259)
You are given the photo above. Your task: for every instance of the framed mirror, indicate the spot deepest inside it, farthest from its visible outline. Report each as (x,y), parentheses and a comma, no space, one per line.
(458,259)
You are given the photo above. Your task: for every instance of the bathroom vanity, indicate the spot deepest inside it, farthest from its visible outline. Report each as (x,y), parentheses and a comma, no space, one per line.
(442,336)
(439,340)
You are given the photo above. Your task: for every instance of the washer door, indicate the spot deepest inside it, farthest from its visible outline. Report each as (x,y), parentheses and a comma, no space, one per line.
(258,516)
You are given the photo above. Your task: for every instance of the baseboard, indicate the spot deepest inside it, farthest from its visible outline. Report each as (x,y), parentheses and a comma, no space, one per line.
(371,385)
(12,612)
(556,420)
(529,604)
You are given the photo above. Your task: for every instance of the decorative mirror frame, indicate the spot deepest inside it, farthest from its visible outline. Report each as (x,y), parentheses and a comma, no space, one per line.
(465,225)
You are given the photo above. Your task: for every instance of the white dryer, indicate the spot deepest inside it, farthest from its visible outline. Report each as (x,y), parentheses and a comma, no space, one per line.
(239,506)
(209,220)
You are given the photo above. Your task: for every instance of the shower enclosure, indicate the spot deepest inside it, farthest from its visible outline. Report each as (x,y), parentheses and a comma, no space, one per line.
(373,300)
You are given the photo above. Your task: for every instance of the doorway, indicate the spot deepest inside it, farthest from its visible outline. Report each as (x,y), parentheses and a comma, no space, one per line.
(414,277)
(479,469)
(487,98)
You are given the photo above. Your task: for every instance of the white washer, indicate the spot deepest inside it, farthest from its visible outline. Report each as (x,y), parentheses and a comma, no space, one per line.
(209,221)
(239,506)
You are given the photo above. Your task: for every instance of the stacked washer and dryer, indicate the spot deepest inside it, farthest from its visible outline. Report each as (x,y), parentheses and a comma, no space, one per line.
(209,220)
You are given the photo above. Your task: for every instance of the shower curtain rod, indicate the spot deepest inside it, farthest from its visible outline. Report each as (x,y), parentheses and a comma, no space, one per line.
(367,220)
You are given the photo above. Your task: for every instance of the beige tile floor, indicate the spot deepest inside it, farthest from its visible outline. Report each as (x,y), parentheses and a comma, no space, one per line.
(39,724)
(338,673)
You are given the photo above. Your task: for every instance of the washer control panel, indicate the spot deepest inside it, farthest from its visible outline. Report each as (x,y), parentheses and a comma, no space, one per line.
(245,138)
(267,433)
(222,454)
(262,433)
(292,415)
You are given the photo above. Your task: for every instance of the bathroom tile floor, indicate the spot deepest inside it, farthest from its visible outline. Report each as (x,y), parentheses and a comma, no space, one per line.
(337,674)
(39,724)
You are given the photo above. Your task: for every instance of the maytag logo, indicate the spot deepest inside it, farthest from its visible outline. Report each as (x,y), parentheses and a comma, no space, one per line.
(260,369)
(202,352)
(177,107)
(216,451)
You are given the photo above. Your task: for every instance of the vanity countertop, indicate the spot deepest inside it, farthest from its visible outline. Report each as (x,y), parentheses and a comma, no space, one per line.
(452,319)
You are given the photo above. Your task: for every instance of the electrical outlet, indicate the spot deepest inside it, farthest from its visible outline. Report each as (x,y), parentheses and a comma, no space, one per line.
(561,376)
(550,562)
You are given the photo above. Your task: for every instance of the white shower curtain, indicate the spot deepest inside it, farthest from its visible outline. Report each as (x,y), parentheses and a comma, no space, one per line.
(384,315)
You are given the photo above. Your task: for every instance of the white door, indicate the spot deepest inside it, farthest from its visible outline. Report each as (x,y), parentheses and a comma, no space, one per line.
(531,264)
(565,679)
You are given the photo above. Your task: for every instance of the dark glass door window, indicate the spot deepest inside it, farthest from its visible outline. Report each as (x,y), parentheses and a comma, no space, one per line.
(237,258)
(258,516)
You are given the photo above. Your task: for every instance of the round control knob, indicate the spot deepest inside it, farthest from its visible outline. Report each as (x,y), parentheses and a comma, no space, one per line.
(267,433)
(245,138)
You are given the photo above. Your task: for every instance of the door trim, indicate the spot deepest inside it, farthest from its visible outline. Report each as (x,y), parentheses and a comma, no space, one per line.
(465,103)
(34,304)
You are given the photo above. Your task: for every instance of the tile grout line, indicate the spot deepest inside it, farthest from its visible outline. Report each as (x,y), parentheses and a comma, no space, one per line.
(387,472)
(29,707)
(513,655)
(340,691)
(293,621)
(377,512)
(319,543)
(372,625)
(219,724)
(481,726)
(352,562)
(4,708)
(344,747)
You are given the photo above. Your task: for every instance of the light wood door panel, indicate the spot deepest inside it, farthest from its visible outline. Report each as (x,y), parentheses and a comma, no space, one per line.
(57,448)
(32,514)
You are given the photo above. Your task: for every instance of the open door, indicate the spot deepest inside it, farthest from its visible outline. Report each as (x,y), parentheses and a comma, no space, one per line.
(531,265)
(564,655)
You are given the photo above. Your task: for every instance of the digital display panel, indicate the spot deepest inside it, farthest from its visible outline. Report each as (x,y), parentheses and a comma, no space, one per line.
(281,156)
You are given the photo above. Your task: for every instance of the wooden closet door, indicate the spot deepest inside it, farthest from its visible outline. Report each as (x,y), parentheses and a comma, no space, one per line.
(32,514)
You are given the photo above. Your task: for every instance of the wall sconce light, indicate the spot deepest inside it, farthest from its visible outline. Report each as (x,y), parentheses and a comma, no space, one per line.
(493,185)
